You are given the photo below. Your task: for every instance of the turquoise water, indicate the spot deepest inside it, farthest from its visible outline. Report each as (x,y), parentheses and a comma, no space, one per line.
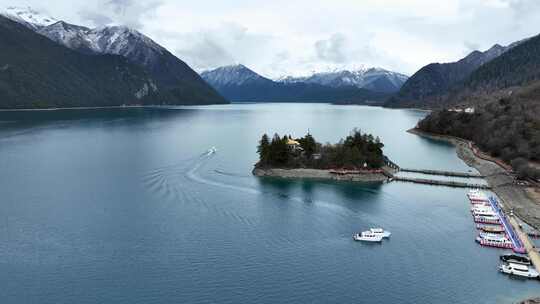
(123,206)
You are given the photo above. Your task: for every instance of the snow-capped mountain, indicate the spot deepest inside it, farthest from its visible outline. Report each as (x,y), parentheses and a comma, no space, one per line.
(117,40)
(233,75)
(28,17)
(73,36)
(170,72)
(239,83)
(124,41)
(375,79)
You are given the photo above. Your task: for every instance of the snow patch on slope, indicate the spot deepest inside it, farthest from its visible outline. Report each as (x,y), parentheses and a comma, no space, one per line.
(28,17)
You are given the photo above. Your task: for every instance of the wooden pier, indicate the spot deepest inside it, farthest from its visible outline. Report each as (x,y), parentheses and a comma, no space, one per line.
(443,173)
(440,182)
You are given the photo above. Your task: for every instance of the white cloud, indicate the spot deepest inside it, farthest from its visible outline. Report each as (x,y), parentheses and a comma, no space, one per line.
(295,37)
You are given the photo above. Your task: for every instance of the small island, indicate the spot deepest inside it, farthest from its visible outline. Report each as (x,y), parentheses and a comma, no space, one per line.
(358,157)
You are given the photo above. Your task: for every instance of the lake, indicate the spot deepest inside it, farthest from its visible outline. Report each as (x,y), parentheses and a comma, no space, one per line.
(125,206)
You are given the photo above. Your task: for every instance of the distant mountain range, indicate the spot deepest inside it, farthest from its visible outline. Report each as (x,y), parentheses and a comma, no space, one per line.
(239,83)
(374,79)
(434,84)
(173,81)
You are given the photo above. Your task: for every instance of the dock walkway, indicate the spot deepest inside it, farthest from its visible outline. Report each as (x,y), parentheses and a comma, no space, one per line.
(440,182)
(443,173)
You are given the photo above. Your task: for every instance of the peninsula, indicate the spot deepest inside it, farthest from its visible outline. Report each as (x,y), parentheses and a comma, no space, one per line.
(358,157)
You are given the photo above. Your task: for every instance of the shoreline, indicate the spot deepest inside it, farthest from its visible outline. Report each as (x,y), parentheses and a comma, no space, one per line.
(514,197)
(319,174)
(107,107)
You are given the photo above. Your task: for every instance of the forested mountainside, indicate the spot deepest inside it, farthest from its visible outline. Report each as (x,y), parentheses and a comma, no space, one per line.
(505,95)
(429,87)
(36,72)
(176,82)
(508,128)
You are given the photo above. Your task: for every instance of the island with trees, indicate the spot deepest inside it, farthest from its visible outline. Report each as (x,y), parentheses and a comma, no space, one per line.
(358,157)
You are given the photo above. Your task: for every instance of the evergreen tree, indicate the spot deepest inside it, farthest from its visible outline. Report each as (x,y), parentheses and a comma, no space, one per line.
(264,149)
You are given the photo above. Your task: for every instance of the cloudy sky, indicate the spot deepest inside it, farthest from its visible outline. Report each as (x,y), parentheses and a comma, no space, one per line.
(296,37)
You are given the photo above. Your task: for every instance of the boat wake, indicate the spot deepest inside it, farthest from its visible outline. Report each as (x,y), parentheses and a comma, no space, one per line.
(192,175)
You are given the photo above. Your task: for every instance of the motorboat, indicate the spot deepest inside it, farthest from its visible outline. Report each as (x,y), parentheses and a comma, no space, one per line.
(483,212)
(494,240)
(384,233)
(477,195)
(212,150)
(489,235)
(368,236)
(519,270)
(516,259)
(491,228)
(487,219)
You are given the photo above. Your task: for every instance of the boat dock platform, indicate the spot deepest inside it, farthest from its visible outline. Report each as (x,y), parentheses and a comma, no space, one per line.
(442,173)
(520,239)
(517,244)
(533,253)
(440,182)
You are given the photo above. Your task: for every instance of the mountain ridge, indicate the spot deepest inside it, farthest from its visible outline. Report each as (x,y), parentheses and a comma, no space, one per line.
(181,83)
(375,79)
(430,86)
(39,73)
(239,83)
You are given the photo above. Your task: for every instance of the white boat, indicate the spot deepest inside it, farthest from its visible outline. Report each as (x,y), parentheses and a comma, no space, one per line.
(483,212)
(519,270)
(477,195)
(368,236)
(494,240)
(384,233)
(211,151)
(493,236)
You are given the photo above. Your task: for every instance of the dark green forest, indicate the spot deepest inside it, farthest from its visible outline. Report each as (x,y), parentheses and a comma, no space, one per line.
(508,129)
(356,151)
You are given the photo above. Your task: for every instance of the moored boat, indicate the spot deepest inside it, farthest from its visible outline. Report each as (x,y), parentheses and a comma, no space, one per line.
(494,241)
(519,270)
(477,195)
(490,228)
(516,259)
(487,219)
(483,212)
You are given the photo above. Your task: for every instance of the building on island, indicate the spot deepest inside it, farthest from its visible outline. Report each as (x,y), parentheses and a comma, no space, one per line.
(294,145)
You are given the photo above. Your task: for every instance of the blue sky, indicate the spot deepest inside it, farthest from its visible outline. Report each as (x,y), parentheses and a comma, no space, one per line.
(297,37)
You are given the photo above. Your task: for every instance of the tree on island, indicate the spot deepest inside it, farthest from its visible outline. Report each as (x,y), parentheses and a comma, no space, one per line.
(357,151)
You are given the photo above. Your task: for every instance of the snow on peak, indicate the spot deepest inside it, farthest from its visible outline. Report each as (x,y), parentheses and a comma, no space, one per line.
(236,74)
(374,78)
(28,16)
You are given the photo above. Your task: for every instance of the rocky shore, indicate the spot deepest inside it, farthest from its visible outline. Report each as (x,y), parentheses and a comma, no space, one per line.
(514,196)
(320,174)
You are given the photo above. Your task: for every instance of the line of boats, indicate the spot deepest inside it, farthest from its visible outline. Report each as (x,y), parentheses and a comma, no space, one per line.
(493,234)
